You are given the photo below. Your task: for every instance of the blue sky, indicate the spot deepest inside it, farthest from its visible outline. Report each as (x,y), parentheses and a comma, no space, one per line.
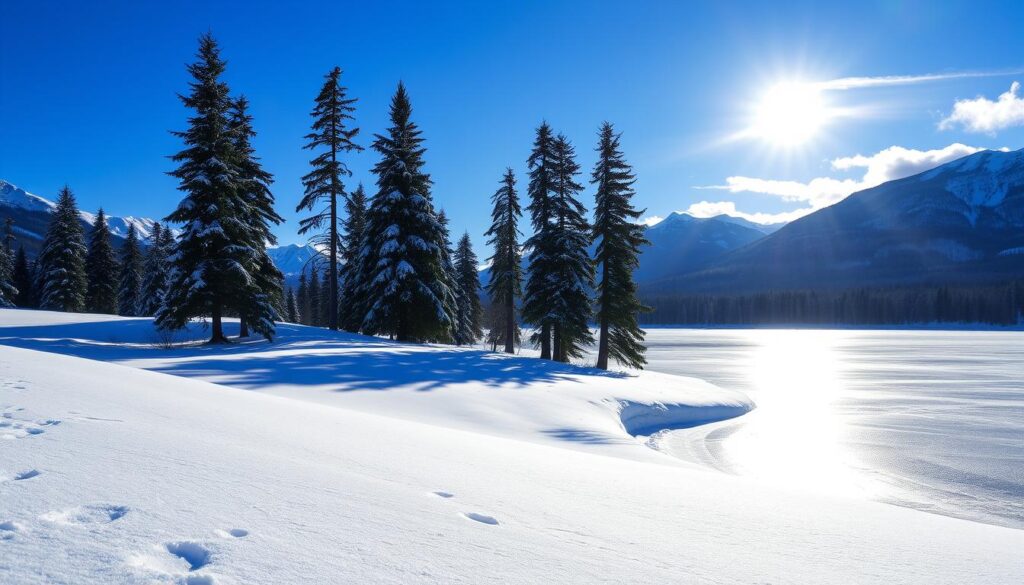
(88,93)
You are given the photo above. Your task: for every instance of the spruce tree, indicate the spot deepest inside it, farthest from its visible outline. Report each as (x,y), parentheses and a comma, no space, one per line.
(154,279)
(303,298)
(541,279)
(8,291)
(572,267)
(23,280)
(291,307)
(458,333)
(472,313)
(216,265)
(408,292)
(324,184)
(325,299)
(129,293)
(62,281)
(101,269)
(618,238)
(253,184)
(315,296)
(506,277)
(351,307)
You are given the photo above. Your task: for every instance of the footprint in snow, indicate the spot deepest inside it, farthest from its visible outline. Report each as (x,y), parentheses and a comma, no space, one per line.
(196,555)
(444,495)
(87,515)
(481,518)
(26,475)
(233,533)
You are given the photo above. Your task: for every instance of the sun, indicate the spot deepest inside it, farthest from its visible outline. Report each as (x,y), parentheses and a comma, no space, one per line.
(790,114)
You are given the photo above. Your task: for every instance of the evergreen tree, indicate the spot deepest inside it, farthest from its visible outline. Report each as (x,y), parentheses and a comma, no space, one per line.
(324,183)
(315,296)
(618,238)
(8,291)
(472,313)
(408,292)
(541,279)
(303,298)
(573,269)
(351,307)
(506,263)
(253,184)
(291,307)
(154,280)
(325,299)
(23,280)
(458,332)
(101,269)
(216,265)
(129,293)
(62,259)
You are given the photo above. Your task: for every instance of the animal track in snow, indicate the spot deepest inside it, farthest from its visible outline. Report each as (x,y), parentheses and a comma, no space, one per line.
(444,495)
(8,528)
(481,518)
(196,555)
(90,514)
(14,428)
(26,474)
(233,533)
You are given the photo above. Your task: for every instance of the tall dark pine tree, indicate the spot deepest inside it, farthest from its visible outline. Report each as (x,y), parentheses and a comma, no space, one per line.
(303,298)
(324,184)
(61,262)
(291,306)
(459,331)
(215,264)
(315,297)
(571,263)
(351,305)
(8,291)
(101,269)
(253,184)
(407,290)
(506,268)
(618,237)
(325,299)
(154,278)
(471,312)
(541,279)
(129,293)
(23,280)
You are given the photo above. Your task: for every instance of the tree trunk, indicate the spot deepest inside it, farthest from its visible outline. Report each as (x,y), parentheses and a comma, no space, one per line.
(217,328)
(602,344)
(332,315)
(557,351)
(510,325)
(243,328)
(545,342)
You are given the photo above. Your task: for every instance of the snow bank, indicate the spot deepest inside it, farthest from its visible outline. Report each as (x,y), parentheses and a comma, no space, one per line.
(467,389)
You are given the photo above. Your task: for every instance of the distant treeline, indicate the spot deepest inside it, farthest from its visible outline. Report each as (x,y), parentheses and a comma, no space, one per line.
(996,304)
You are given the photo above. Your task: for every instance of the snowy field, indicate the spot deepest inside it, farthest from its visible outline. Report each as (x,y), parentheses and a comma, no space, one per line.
(330,458)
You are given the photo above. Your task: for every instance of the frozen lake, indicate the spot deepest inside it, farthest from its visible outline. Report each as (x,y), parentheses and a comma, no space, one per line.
(928,419)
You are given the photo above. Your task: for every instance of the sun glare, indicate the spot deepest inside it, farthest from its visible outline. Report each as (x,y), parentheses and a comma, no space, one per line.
(789,114)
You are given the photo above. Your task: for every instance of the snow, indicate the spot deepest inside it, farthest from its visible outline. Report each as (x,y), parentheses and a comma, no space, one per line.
(328,458)
(15,196)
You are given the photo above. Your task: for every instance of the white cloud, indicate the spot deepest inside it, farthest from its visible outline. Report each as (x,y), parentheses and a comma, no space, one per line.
(651,220)
(892,163)
(845,83)
(984,115)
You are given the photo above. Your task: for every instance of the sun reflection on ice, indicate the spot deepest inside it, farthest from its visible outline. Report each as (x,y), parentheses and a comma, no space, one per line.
(795,437)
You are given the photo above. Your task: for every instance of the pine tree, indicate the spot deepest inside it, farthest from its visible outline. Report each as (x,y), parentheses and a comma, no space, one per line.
(540,281)
(8,291)
(325,299)
(101,269)
(505,283)
(458,333)
(573,269)
(216,265)
(291,306)
(23,280)
(315,296)
(352,306)
(62,259)
(254,189)
(324,183)
(618,237)
(154,280)
(472,313)
(407,290)
(303,298)
(129,293)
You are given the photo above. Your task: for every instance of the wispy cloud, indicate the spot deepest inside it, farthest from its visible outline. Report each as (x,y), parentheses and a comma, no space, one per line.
(986,116)
(845,83)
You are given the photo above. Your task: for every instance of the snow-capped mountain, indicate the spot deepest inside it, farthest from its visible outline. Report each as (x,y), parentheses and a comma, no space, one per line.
(292,259)
(681,243)
(31,215)
(959,222)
